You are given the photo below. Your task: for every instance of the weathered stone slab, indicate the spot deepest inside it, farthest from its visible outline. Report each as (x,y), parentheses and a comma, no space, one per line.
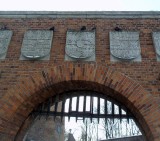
(5,38)
(80,45)
(156,42)
(36,45)
(125,46)
(82,14)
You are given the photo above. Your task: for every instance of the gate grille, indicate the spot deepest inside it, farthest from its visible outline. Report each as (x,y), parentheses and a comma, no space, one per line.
(82,104)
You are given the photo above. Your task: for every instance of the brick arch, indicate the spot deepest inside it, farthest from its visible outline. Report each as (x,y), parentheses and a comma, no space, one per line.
(19,101)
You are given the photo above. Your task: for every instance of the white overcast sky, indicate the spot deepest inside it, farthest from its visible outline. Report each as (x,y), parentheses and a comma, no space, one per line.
(80,5)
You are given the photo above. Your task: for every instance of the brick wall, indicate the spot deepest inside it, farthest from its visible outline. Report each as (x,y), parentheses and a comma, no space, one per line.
(135,84)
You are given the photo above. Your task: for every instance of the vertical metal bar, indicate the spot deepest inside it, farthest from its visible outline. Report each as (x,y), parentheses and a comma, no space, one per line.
(113,111)
(77,107)
(48,108)
(127,112)
(86,130)
(40,111)
(91,107)
(106,110)
(120,113)
(63,105)
(55,110)
(62,110)
(70,108)
(84,107)
(98,105)
(56,106)
(43,106)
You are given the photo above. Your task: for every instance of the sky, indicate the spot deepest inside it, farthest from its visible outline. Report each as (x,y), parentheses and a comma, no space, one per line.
(80,5)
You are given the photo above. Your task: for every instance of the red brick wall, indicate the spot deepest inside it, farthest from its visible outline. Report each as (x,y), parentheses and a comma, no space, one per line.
(136,84)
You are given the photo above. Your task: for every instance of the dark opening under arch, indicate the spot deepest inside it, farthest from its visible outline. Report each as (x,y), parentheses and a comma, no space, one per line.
(87,104)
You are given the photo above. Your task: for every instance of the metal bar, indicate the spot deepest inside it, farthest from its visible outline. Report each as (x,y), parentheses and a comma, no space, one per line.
(127,113)
(48,108)
(106,110)
(98,106)
(84,107)
(120,113)
(56,106)
(43,106)
(62,109)
(56,102)
(40,110)
(91,107)
(70,108)
(113,111)
(55,109)
(77,107)
(81,114)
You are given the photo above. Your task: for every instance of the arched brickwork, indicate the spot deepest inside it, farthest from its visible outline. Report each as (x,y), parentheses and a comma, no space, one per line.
(32,90)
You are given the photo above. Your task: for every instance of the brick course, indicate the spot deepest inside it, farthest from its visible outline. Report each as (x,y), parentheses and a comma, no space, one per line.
(24,85)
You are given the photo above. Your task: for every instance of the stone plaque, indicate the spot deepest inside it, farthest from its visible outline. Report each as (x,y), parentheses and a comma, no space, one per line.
(80,45)
(36,44)
(156,41)
(5,38)
(125,45)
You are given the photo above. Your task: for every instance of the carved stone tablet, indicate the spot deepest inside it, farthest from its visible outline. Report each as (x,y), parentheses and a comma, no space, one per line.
(5,38)
(80,44)
(156,41)
(36,44)
(125,45)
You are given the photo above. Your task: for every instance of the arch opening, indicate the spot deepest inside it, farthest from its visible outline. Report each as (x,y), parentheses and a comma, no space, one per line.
(88,109)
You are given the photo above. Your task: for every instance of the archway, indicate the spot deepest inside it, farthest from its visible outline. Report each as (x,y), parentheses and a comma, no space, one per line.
(90,115)
(35,89)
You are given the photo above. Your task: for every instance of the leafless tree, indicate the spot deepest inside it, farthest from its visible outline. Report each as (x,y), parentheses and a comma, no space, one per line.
(88,130)
(117,128)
